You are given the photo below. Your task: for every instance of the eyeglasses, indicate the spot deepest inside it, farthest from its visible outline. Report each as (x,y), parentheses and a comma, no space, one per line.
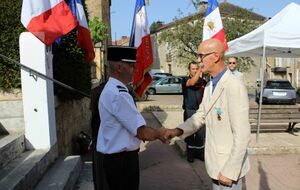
(201,56)
(231,63)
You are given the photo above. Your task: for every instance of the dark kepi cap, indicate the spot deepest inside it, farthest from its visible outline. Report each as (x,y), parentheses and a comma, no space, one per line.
(121,53)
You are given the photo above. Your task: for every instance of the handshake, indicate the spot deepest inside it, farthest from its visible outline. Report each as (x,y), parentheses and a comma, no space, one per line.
(165,135)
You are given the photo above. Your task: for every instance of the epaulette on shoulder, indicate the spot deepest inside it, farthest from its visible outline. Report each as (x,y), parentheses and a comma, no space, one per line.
(121,88)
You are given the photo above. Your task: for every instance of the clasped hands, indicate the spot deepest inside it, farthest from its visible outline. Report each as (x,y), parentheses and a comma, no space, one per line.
(165,135)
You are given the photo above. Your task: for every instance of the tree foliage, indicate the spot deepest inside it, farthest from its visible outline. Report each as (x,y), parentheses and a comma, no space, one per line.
(185,34)
(155,25)
(11,28)
(196,3)
(183,40)
(99,31)
(70,66)
(68,59)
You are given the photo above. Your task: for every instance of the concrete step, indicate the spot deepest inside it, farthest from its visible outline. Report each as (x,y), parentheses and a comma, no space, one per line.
(11,109)
(26,170)
(11,125)
(63,175)
(85,179)
(10,147)
(11,116)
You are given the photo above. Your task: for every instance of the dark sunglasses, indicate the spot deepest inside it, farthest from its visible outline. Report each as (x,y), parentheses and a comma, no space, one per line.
(231,63)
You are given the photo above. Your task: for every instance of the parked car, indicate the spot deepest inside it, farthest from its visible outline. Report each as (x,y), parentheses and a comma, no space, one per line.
(166,85)
(277,92)
(157,77)
(144,98)
(162,74)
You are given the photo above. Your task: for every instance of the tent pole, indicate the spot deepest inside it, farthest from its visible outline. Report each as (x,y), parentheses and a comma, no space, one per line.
(262,73)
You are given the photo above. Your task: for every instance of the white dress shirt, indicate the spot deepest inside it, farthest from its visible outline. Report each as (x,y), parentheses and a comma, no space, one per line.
(120,119)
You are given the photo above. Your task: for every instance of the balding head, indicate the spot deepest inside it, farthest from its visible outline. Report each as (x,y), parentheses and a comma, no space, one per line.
(211,56)
(213,45)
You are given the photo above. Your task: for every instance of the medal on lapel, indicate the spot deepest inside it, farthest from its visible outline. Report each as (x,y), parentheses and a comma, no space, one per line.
(218,112)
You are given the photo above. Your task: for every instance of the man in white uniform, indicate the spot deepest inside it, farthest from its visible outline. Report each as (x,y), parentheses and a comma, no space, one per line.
(122,126)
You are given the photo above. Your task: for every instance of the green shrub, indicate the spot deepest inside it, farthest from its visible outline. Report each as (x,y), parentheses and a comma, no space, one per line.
(70,67)
(68,60)
(11,28)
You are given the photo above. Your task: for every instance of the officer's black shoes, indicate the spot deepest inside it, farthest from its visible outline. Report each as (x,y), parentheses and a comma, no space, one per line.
(190,159)
(190,155)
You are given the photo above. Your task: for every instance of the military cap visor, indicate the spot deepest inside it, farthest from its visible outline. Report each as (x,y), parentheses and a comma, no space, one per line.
(121,53)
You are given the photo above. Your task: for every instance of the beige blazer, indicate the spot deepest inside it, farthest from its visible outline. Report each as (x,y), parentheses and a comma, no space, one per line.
(228,136)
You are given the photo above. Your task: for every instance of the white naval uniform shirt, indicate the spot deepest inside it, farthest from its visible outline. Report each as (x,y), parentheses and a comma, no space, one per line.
(120,119)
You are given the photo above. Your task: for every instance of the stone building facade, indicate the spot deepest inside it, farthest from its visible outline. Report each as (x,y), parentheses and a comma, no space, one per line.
(100,9)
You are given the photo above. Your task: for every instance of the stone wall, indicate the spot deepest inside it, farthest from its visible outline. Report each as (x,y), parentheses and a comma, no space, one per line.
(71,118)
(93,8)
(15,94)
(100,9)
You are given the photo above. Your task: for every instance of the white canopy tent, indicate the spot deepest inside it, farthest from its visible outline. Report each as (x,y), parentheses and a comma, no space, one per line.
(278,37)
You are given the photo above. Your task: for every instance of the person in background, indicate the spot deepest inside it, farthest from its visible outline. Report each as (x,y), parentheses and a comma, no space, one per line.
(98,172)
(225,112)
(232,64)
(192,90)
(122,126)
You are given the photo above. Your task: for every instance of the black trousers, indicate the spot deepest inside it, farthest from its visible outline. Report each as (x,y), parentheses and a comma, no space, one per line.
(194,142)
(122,170)
(99,178)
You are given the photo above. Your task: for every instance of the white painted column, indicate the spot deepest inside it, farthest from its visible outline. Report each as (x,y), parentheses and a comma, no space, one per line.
(38,95)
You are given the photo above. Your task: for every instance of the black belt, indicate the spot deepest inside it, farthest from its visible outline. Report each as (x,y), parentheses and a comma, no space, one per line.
(123,153)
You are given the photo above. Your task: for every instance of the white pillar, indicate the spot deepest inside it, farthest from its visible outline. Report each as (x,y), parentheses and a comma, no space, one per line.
(38,95)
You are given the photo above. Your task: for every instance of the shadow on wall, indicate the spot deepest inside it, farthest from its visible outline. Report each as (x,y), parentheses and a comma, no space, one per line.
(3,131)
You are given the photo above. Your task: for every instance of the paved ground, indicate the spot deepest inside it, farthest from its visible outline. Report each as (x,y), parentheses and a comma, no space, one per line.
(163,167)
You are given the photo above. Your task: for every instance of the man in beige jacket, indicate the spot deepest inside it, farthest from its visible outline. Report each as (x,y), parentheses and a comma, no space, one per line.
(224,110)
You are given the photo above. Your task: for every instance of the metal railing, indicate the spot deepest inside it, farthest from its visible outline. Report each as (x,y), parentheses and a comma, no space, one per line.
(45,77)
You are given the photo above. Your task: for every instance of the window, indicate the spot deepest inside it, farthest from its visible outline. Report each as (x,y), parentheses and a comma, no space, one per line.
(278,62)
(279,84)
(177,80)
(166,81)
(288,62)
(169,57)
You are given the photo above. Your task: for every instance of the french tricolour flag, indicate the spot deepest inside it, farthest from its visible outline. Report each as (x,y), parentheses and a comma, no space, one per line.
(83,32)
(213,27)
(140,38)
(47,19)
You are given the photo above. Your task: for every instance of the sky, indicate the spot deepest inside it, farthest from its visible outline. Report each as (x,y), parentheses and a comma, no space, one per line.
(166,10)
